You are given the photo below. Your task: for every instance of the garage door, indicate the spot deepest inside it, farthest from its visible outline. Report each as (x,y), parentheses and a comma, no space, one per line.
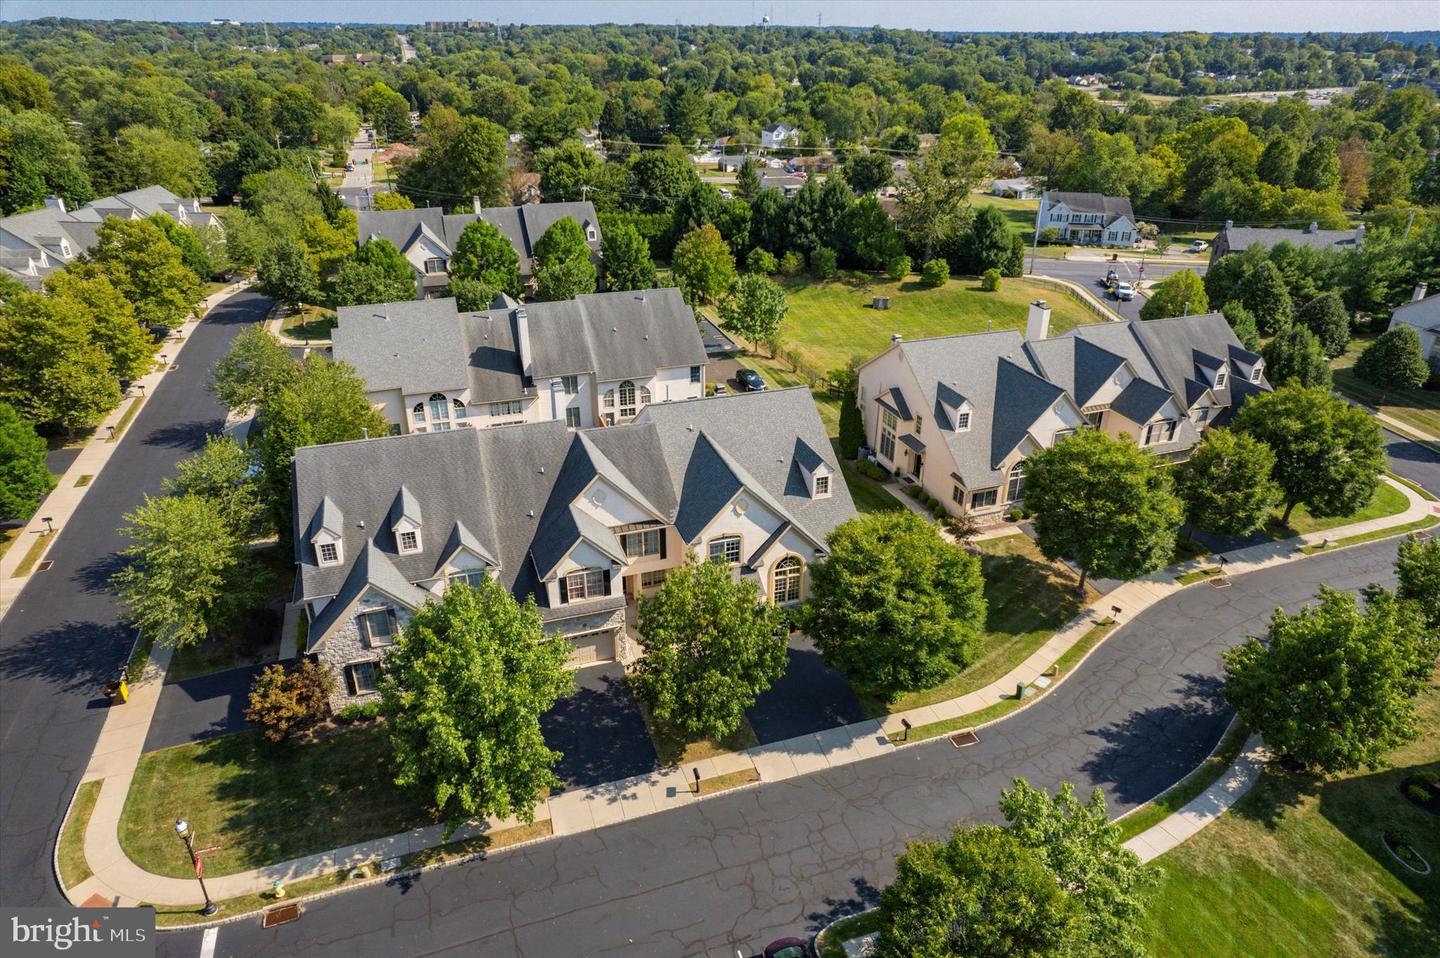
(592,649)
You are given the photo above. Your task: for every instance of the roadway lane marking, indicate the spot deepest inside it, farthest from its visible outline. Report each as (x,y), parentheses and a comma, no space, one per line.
(207,942)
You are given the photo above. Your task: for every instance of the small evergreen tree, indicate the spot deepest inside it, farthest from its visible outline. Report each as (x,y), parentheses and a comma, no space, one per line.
(1327,318)
(1242,324)
(1295,356)
(1265,295)
(1394,361)
(482,252)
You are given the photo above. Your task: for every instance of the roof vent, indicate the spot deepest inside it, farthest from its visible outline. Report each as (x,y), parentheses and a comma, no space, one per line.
(361,523)
(614,329)
(530,514)
(647,337)
(689,427)
(542,470)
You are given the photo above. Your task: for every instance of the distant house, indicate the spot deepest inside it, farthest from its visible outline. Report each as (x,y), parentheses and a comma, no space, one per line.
(1016,187)
(427,236)
(960,415)
(1423,313)
(732,163)
(598,359)
(360,59)
(1088,219)
(779,137)
(585,522)
(35,244)
(1234,238)
(787,183)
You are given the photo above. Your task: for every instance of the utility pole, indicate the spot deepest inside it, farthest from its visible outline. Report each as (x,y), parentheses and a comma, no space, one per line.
(1409,223)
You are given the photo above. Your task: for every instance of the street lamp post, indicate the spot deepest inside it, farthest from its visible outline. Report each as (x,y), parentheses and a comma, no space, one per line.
(182,828)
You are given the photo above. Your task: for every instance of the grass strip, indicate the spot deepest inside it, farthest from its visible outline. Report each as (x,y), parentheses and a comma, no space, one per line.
(83,481)
(1371,536)
(832,938)
(1414,487)
(720,783)
(27,564)
(139,656)
(125,419)
(1189,788)
(1005,706)
(73,867)
(1197,575)
(8,537)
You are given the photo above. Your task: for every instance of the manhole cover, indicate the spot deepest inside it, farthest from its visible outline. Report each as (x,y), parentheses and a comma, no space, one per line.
(45,565)
(962,739)
(280,916)
(1221,582)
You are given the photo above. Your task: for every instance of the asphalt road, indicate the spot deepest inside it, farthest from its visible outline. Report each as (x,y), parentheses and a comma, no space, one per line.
(737,871)
(1087,273)
(62,639)
(1413,461)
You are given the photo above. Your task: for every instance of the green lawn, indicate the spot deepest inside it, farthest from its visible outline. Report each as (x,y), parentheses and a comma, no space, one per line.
(312,322)
(1297,868)
(73,867)
(261,803)
(1028,598)
(1020,214)
(831,322)
(1417,408)
(1388,501)
(1188,788)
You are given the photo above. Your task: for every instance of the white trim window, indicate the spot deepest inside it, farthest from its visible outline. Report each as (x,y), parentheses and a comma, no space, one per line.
(378,626)
(435,264)
(569,385)
(647,542)
(585,584)
(439,409)
(822,486)
(471,577)
(1256,373)
(653,578)
(888,422)
(1220,378)
(627,399)
(409,541)
(725,549)
(572,417)
(1160,431)
(962,421)
(984,498)
(694,374)
(1015,488)
(511,407)
(364,677)
(786,580)
(329,553)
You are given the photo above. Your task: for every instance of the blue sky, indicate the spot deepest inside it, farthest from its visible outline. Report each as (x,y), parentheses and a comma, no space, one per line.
(1022,15)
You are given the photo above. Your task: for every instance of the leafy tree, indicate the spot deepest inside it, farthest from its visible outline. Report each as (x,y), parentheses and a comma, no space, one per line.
(867,172)
(182,580)
(252,154)
(385,200)
(1082,848)
(255,368)
(462,692)
(80,389)
(192,251)
(1333,686)
(898,268)
(51,369)
(1278,163)
(1264,294)
(761,261)
(151,157)
(987,244)
(754,308)
(1242,324)
(111,319)
(625,257)
(41,160)
(699,205)
(375,273)
(941,179)
(981,894)
(483,253)
(1318,167)
(1295,356)
(747,181)
(1179,294)
(284,701)
(895,607)
(1328,454)
(822,262)
(472,295)
(703,266)
(711,647)
(1395,360)
(287,275)
(468,160)
(562,264)
(770,222)
(1102,503)
(387,110)
(222,473)
(661,178)
(1327,318)
(805,229)
(147,269)
(1418,569)
(24,478)
(1226,485)
(871,239)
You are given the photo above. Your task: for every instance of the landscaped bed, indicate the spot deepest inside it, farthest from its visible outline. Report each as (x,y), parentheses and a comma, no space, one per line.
(1298,868)
(261,803)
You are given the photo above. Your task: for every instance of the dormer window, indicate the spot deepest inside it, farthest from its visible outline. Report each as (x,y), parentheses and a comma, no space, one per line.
(1256,372)
(1220,378)
(962,421)
(435,264)
(329,553)
(585,584)
(590,234)
(822,486)
(409,541)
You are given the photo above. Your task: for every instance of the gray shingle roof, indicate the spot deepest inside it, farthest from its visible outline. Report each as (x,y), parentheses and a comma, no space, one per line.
(371,568)
(1140,400)
(422,346)
(1111,206)
(1243,237)
(521,225)
(506,492)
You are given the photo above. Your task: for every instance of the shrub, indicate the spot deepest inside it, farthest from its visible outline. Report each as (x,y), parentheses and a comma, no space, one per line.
(285,701)
(356,712)
(963,527)
(938,511)
(761,261)
(822,262)
(792,263)
(1049,235)
(935,273)
(1434,381)
(899,268)
(339,158)
(914,492)
(1417,793)
(990,280)
(1014,515)
(872,470)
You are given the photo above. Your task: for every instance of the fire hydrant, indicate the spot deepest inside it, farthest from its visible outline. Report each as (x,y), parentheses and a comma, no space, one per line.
(278,888)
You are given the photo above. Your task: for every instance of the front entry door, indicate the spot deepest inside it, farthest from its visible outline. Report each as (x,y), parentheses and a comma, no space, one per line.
(916,461)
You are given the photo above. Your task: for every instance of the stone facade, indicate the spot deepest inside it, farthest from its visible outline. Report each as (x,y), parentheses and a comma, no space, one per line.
(347,645)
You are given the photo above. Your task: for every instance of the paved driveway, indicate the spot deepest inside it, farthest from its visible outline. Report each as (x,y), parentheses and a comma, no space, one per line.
(599,730)
(1413,461)
(809,697)
(63,636)
(202,707)
(739,870)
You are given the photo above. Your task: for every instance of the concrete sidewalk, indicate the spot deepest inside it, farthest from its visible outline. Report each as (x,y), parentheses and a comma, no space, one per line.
(65,498)
(1205,807)
(578,810)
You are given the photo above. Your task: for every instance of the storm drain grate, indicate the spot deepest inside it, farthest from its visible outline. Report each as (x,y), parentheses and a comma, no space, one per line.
(45,565)
(962,739)
(1221,582)
(280,916)
(1422,536)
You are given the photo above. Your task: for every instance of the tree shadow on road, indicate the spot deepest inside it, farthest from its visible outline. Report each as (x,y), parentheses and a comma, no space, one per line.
(866,896)
(73,656)
(185,435)
(1152,749)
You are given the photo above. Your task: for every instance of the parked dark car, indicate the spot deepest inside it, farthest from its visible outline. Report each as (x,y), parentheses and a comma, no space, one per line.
(788,948)
(224,276)
(750,380)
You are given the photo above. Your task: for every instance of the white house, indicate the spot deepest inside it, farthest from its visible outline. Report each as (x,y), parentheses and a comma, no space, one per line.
(1088,219)
(1423,313)
(961,414)
(597,359)
(583,521)
(779,137)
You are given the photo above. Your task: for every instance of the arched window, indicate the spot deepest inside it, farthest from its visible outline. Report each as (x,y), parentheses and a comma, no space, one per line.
(787,580)
(627,399)
(1016,489)
(439,412)
(459,408)
(419,412)
(644,396)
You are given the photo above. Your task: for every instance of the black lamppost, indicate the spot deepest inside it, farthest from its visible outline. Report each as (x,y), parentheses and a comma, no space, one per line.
(182,828)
